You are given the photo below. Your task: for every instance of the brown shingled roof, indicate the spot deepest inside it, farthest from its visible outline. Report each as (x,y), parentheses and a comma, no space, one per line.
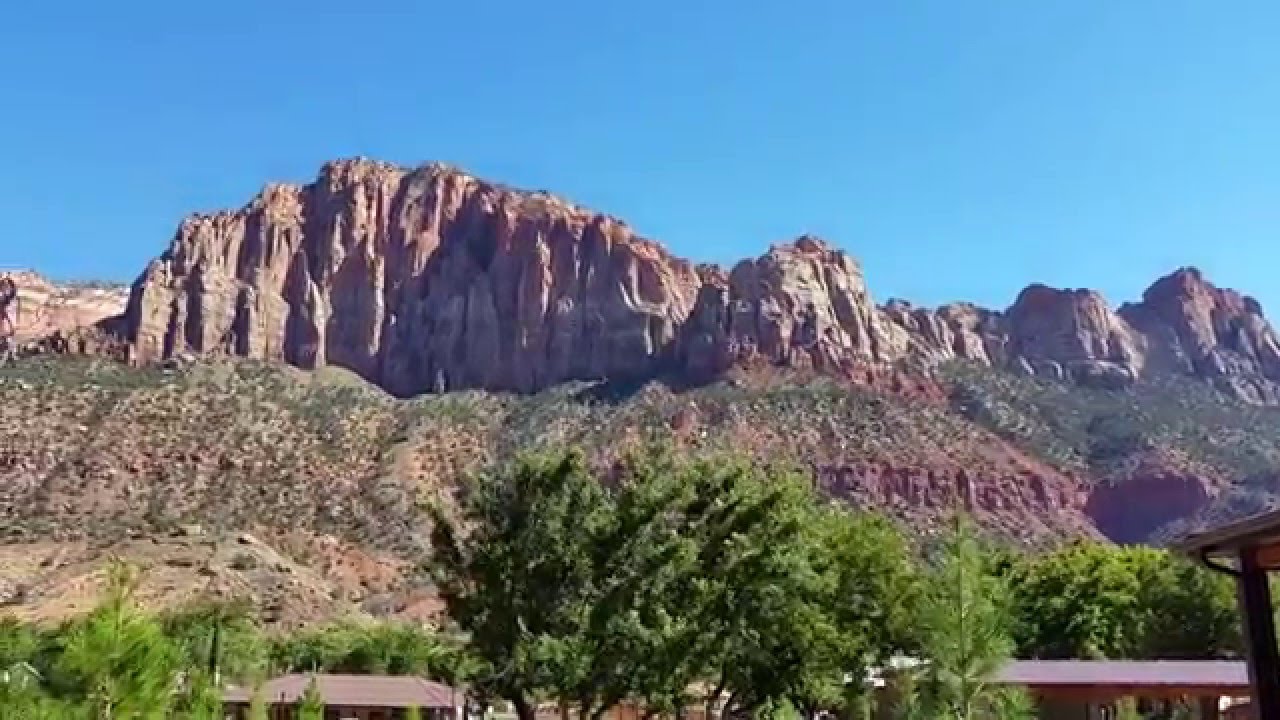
(382,691)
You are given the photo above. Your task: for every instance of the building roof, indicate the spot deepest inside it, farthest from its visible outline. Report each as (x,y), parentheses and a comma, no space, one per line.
(1259,532)
(384,691)
(1106,680)
(1205,674)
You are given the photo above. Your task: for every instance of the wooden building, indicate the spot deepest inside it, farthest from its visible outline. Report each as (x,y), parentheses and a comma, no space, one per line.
(352,697)
(1249,550)
(1091,690)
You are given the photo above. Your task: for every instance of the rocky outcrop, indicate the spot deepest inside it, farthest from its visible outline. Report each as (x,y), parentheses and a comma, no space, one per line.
(430,280)
(803,304)
(1071,334)
(1183,325)
(959,331)
(45,306)
(1031,505)
(422,280)
(1192,327)
(1150,496)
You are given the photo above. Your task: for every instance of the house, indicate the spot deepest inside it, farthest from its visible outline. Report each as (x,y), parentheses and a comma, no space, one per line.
(352,697)
(1090,690)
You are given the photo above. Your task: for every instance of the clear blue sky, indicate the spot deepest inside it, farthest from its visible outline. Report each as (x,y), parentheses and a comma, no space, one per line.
(960,149)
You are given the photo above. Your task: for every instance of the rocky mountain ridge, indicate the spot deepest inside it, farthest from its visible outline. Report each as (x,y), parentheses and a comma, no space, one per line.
(1061,416)
(429,279)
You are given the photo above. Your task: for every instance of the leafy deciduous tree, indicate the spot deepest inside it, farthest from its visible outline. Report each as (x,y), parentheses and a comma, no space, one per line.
(516,571)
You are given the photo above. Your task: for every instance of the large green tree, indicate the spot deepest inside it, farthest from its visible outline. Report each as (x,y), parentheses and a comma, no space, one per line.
(516,572)
(681,571)
(869,581)
(1093,600)
(1079,602)
(1188,611)
(710,571)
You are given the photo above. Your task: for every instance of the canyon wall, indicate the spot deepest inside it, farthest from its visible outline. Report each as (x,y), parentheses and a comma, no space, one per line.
(429,279)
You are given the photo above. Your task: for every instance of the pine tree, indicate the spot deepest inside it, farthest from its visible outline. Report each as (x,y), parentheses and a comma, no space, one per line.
(965,638)
(203,700)
(311,706)
(117,660)
(1127,709)
(257,704)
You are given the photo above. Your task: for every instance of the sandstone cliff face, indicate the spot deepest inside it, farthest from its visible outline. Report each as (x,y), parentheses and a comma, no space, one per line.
(430,280)
(1192,327)
(45,306)
(1183,325)
(1031,505)
(423,280)
(803,304)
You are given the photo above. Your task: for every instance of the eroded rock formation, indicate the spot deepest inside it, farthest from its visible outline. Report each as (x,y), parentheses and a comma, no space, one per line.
(430,280)
(1183,325)
(423,280)
(45,306)
(802,304)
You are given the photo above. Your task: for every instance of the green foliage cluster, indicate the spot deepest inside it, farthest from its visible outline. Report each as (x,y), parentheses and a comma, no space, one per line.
(121,662)
(721,582)
(677,574)
(382,648)
(1095,601)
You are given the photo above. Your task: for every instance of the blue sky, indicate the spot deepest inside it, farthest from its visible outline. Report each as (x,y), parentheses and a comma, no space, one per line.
(960,149)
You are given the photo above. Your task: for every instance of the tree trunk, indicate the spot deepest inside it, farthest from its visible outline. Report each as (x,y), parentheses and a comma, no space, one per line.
(714,698)
(731,706)
(607,704)
(524,710)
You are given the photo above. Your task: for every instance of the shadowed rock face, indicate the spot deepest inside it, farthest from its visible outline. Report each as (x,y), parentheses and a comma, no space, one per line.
(1152,494)
(428,280)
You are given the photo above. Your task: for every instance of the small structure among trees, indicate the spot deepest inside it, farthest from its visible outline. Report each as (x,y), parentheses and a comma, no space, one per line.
(357,697)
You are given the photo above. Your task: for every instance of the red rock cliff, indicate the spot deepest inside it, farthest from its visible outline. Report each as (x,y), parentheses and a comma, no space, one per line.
(430,279)
(419,280)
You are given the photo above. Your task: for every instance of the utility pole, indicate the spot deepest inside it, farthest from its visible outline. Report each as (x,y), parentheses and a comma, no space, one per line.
(214,648)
